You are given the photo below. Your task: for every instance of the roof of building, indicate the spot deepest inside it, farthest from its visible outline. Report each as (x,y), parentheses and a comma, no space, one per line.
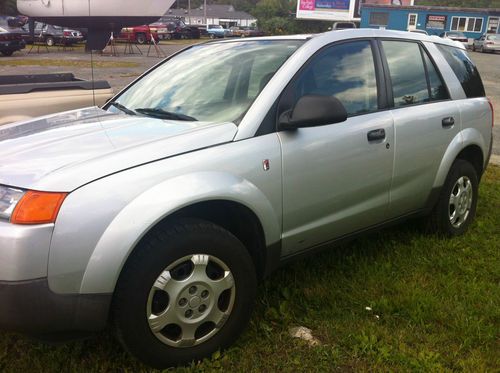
(213,11)
(433,8)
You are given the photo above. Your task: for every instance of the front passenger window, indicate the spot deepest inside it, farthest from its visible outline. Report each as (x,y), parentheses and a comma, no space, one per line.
(345,71)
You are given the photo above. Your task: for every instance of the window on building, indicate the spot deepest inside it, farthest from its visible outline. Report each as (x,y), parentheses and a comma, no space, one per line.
(435,21)
(379,19)
(470,24)
(464,69)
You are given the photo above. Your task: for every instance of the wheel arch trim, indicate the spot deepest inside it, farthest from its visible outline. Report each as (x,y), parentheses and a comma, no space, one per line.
(158,203)
(464,139)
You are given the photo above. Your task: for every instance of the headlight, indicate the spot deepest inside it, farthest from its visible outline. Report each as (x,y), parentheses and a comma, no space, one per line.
(9,197)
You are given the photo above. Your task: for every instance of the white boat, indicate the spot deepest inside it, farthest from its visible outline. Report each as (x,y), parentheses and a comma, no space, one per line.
(94,8)
(100,17)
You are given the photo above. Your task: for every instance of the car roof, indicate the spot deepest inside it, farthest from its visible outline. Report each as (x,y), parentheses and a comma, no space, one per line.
(337,35)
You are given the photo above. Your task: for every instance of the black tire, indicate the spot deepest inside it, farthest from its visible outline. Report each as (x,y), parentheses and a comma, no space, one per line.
(439,221)
(168,36)
(161,248)
(212,36)
(141,38)
(7,53)
(50,41)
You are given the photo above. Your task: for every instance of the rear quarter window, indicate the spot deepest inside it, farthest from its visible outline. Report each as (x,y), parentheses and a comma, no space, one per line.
(464,69)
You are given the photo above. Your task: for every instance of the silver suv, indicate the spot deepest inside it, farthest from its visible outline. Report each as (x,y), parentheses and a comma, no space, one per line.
(163,209)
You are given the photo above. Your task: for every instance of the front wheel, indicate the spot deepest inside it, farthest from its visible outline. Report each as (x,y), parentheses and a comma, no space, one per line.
(186,291)
(50,41)
(456,207)
(141,38)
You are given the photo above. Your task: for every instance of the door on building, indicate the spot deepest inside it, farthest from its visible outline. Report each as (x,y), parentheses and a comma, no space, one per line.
(493,24)
(412,21)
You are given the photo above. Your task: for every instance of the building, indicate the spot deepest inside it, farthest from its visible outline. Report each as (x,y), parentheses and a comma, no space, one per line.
(217,14)
(473,22)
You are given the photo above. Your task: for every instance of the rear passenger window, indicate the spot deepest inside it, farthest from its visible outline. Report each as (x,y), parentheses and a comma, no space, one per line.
(345,71)
(464,69)
(407,71)
(438,90)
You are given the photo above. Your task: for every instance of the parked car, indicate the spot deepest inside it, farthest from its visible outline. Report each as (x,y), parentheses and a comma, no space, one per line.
(456,36)
(344,25)
(234,31)
(51,35)
(23,97)
(487,43)
(10,42)
(418,31)
(141,34)
(162,209)
(216,31)
(248,31)
(174,28)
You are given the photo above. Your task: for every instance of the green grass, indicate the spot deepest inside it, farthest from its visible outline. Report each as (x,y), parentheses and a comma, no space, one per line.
(437,302)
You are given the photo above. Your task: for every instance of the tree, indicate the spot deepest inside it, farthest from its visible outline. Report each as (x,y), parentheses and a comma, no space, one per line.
(8,7)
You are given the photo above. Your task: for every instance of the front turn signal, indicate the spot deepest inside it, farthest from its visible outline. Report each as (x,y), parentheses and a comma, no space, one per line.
(38,208)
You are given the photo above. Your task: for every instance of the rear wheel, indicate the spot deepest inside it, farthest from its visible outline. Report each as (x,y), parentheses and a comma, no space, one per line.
(456,207)
(50,41)
(186,292)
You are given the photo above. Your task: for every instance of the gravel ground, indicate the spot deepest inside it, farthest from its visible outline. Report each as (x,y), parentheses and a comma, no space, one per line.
(119,77)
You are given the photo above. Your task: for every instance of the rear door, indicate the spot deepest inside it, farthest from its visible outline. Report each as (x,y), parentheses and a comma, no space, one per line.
(426,121)
(335,180)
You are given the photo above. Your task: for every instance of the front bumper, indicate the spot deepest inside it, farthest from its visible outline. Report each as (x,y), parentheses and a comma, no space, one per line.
(24,251)
(30,307)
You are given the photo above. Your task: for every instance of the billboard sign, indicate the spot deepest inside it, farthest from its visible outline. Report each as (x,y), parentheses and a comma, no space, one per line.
(338,10)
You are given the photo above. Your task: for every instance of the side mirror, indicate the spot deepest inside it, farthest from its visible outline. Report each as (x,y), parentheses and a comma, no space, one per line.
(312,111)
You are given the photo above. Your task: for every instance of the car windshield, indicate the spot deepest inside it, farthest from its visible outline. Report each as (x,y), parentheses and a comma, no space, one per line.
(215,82)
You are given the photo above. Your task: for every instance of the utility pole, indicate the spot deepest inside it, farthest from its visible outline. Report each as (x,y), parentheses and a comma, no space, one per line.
(205,11)
(189,11)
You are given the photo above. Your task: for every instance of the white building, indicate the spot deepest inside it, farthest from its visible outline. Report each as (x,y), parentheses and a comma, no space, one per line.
(217,14)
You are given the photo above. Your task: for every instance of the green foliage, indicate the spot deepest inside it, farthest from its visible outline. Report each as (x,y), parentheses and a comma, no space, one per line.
(8,7)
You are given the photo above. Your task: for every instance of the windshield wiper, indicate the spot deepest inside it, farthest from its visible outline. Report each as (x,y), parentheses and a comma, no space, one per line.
(162,114)
(123,108)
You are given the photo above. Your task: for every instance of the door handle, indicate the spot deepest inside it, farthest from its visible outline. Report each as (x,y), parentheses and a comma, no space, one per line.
(376,135)
(448,122)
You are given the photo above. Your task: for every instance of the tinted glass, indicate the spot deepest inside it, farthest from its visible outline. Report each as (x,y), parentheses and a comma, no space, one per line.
(464,69)
(214,82)
(409,82)
(345,71)
(438,90)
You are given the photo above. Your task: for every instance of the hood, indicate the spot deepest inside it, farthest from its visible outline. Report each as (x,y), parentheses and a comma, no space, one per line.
(64,151)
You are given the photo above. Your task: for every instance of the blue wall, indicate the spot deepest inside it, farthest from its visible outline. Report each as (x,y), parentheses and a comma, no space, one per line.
(398,19)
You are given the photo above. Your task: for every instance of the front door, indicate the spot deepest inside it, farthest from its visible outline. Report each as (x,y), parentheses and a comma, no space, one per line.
(412,21)
(335,180)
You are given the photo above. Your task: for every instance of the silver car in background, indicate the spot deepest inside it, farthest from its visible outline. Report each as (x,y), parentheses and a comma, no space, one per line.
(487,43)
(162,210)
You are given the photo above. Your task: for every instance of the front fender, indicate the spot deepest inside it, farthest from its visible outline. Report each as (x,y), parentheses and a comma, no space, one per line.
(160,201)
